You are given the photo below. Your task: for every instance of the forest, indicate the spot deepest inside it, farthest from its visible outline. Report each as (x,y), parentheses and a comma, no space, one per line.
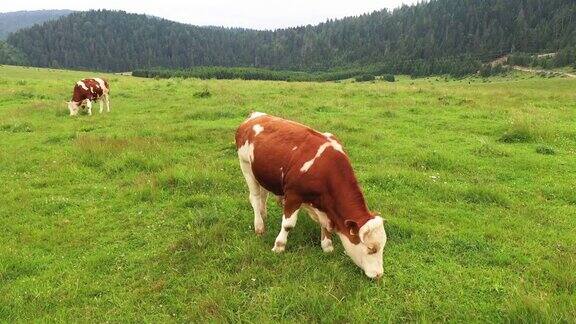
(10,55)
(436,37)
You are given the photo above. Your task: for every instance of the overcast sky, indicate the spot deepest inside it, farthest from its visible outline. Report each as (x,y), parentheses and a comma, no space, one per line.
(260,14)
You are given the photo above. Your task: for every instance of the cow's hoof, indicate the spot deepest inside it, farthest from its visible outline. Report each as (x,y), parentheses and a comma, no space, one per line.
(259,227)
(279,248)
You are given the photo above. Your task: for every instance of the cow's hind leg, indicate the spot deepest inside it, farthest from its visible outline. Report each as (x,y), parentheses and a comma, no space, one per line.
(257,197)
(101,105)
(289,218)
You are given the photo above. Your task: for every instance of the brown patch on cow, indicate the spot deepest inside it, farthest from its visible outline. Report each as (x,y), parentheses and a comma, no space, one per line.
(280,244)
(93,91)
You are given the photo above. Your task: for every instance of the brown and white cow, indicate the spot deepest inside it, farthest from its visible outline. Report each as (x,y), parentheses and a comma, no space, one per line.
(308,169)
(88,90)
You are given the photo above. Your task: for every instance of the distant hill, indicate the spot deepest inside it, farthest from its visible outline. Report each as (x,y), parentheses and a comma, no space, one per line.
(422,39)
(13,21)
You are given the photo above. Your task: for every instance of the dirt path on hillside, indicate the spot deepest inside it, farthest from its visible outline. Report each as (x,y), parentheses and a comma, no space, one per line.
(525,69)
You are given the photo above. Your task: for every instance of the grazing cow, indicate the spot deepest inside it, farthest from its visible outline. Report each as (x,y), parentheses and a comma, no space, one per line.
(88,90)
(308,169)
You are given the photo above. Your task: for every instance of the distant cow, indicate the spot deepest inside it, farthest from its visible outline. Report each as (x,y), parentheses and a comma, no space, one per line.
(309,169)
(88,90)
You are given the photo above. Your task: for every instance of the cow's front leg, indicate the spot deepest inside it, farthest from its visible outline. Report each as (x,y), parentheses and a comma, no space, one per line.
(325,234)
(326,240)
(89,106)
(290,211)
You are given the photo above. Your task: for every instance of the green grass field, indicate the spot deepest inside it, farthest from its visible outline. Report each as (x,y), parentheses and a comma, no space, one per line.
(142,214)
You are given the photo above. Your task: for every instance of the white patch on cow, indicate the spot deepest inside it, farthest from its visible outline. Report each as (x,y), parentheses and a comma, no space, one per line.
(294,148)
(246,152)
(257,129)
(101,83)
(368,253)
(331,143)
(82,85)
(337,146)
(256,114)
(91,90)
(328,135)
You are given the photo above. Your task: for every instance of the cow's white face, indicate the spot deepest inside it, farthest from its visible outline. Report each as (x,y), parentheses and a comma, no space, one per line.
(368,253)
(73,107)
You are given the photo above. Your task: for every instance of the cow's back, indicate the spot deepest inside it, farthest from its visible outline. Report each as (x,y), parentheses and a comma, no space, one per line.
(278,149)
(94,87)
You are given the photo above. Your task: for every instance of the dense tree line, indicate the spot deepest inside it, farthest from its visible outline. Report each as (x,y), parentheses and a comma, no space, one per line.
(564,57)
(251,73)
(245,73)
(10,55)
(456,67)
(488,70)
(435,37)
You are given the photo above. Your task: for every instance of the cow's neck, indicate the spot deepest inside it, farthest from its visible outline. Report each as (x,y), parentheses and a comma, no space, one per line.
(346,202)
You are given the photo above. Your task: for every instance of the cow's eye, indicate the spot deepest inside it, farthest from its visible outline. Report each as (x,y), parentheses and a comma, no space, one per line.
(372,249)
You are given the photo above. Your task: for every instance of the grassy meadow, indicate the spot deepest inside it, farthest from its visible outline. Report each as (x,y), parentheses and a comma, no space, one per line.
(142,214)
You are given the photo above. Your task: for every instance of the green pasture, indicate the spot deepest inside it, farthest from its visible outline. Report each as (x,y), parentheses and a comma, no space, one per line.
(142,214)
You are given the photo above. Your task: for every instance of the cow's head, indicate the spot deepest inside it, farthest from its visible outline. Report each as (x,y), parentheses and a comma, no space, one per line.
(73,107)
(365,245)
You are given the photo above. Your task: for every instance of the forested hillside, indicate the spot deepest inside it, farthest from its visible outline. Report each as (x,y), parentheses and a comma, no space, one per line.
(13,21)
(416,38)
(10,55)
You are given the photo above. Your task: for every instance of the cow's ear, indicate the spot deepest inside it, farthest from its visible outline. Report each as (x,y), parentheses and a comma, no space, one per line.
(352,227)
